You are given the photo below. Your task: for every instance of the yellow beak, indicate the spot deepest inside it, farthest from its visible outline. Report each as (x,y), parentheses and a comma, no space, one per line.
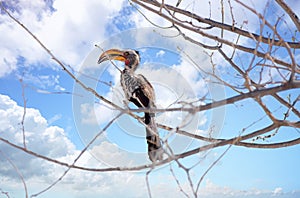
(112,54)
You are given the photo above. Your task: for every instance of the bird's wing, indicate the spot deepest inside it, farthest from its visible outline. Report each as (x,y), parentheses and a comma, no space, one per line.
(147,89)
(155,151)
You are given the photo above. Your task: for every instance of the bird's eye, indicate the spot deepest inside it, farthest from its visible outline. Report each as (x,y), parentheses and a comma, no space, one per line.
(126,53)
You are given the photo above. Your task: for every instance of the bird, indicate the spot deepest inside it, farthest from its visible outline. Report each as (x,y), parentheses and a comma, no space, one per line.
(140,92)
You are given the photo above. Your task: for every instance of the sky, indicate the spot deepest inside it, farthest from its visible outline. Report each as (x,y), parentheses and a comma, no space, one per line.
(61,118)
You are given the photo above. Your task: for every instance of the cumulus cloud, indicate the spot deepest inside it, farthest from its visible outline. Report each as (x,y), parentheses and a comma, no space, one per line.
(39,135)
(52,141)
(69,32)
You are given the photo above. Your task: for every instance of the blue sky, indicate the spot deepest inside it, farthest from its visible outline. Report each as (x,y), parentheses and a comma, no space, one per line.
(61,118)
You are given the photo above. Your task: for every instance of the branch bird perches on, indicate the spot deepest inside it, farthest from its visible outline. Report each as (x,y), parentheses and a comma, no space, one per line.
(139,91)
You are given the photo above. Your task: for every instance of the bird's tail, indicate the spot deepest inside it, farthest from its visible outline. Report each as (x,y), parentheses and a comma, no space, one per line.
(155,150)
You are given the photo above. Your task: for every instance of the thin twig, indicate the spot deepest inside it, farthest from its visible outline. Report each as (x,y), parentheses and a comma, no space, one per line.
(210,167)
(18,173)
(78,157)
(24,113)
(177,182)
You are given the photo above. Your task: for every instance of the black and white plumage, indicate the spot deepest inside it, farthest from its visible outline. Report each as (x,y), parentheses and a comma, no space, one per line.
(138,90)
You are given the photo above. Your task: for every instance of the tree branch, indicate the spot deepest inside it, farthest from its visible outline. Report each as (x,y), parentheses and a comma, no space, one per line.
(213,23)
(290,12)
(216,38)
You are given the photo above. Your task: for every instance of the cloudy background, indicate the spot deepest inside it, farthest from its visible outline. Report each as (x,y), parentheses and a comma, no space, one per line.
(61,118)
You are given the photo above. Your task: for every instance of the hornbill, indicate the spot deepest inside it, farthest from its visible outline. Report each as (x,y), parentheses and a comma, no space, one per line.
(139,91)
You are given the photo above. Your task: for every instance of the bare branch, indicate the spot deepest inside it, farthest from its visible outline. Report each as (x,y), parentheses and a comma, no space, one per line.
(213,23)
(271,127)
(290,12)
(177,182)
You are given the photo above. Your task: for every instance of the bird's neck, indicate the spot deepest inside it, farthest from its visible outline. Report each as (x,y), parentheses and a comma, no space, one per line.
(128,71)
(130,68)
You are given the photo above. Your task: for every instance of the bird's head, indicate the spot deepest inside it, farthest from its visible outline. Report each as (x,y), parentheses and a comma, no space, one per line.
(131,58)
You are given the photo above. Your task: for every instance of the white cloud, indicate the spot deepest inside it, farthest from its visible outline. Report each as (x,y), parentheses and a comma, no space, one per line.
(192,75)
(110,154)
(160,53)
(45,139)
(8,62)
(277,191)
(52,141)
(40,137)
(96,113)
(69,31)
(54,118)
(211,190)
(44,82)
(88,115)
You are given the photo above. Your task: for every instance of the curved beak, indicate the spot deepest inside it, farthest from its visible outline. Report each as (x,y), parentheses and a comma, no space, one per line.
(112,54)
